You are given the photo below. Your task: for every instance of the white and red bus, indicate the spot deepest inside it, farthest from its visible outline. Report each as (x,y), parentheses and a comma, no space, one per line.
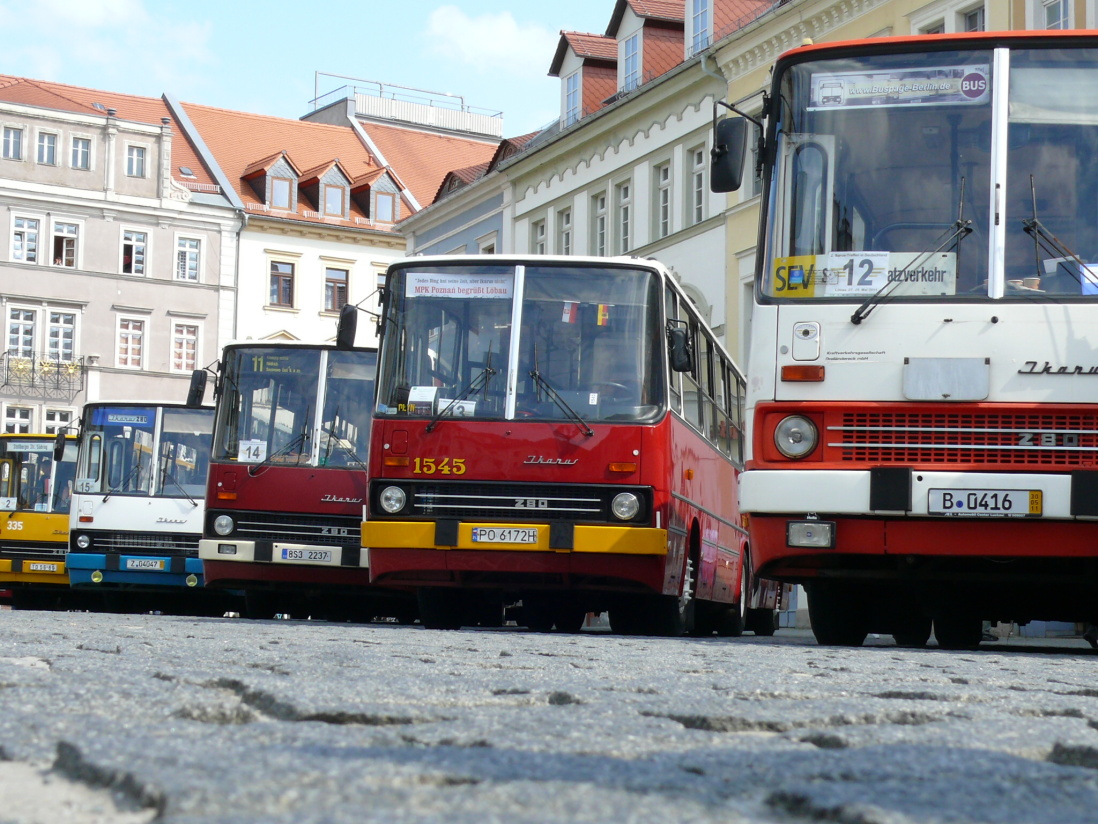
(287,481)
(563,432)
(923,402)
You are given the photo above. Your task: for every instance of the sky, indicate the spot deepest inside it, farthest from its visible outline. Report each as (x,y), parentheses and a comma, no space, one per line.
(263,56)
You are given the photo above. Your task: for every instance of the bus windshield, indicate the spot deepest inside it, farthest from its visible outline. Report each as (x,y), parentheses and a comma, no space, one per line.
(295,406)
(589,343)
(884,172)
(124,454)
(30,480)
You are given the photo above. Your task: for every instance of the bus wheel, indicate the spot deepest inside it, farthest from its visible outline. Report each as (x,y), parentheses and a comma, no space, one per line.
(958,631)
(440,608)
(628,615)
(913,631)
(763,622)
(835,613)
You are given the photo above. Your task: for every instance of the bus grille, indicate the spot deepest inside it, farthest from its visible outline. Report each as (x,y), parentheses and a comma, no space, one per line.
(519,502)
(290,528)
(1006,439)
(147,543)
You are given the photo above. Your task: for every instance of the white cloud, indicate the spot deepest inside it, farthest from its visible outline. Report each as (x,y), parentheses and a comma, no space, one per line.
(491,42)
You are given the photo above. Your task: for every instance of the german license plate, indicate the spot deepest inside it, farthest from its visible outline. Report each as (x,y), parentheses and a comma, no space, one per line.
(145,563)
(1001,503)
(504,535)
(316,556)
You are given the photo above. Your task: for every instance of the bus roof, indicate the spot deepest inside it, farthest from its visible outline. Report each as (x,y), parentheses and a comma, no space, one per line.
(574,261)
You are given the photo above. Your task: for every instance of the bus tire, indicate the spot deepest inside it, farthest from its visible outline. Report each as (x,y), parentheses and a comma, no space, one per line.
(837,618)
(762,622)
(913,632)
(957,632)
(666,617)
(730,622)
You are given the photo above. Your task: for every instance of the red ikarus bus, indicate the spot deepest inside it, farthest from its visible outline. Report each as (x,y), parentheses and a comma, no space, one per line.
(563,433)
(287,481)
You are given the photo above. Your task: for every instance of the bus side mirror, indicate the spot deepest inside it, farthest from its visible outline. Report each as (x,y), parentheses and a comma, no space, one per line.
(59,447)
(729,151)
(197,389)
(348,327)
(680,350)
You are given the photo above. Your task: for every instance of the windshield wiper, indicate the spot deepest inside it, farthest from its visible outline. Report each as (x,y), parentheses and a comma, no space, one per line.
(480,381)
(167,473)
(129,477)
(341,443)
(300,439)
(555,397)
(961,228)
(1044,240)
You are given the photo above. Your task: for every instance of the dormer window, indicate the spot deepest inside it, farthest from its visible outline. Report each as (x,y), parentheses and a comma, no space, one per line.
(699,25)
(571,98)
(333,200)
(386,207)
(630,61)
(280,193)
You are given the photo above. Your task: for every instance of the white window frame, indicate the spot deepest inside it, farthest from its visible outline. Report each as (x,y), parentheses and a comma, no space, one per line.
(20,348)
(72,152)
(600,225)
(623,215)
(22,426)
(699,22)
(488,244)
(6,144)
(564,231)
(1040,14)
(63,417)
(184,254)
(23,230)
(39,143)
(662,208)
(630,62)
(698,193)
(49,326)
(537,237)
(137,158)
(177,338)
(572,98)
(944,16)
(136,230)
(75,237)
(142,354)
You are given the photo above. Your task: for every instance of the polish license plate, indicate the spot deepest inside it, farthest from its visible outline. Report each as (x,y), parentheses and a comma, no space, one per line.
(505,535)
(40,567)
(1000,503)
(145,563)
(316,556)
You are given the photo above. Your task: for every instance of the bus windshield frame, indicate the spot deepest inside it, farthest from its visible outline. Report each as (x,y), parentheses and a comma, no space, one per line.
(590,347)
(948,174)
(30,479)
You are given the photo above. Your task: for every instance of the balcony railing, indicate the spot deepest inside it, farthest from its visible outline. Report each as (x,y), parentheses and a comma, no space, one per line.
(47,373)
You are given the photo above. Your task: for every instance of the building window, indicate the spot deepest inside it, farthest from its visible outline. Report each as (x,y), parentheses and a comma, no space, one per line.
(1056,14)
(13,143)
(934,28)
(280,193)
(630,78)
(65,236)
(24,242)
(81,153)
(188,258)
(62,334)
(697,184)
(564,232)
(973,20)
(663,200)
(333,200)
(335,289)
(47,149)
(699,16)
(282,283)
(385,207)
(17,420)
(135,161)
(21,332)
(598,224)
(184,347)
(57,419)
(537,237)
(625,216)
(571,98)
(131,342)
(134,245)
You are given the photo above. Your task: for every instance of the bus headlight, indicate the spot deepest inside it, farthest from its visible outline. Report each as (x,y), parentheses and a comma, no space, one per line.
(795,436)
(223,525)
(625,506)
(83,541)
(392,499)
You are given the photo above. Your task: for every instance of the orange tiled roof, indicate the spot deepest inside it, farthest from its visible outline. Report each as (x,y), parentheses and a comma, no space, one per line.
(659,9)
(242,142)
(422,159)
(151,110)
(731,15)
(586,47)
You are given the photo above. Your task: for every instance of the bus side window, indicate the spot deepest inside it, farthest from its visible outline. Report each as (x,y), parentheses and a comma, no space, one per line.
(703,366)
(675,393)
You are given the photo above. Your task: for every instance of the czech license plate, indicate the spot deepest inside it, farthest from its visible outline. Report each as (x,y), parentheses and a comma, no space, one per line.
(318,556)
(145,563)
(1002,503)
(40,567)
(505,535)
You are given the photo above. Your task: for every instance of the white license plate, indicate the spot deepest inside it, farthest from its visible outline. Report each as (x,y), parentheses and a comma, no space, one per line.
(1001,503)
(38,567)
(144,563)
(505,535)
(316,556)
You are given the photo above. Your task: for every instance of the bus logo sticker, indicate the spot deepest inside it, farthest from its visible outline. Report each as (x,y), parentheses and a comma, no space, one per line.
(923,86)
(539,460)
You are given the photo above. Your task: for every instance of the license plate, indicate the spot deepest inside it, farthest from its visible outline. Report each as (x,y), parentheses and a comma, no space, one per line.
(318,556)
(505,535)
(37,567)
(1000,503)
(144,563)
